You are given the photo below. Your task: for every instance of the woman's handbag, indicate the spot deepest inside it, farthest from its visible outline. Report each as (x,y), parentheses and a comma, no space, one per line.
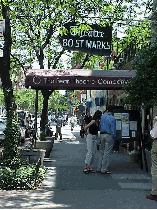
(98,145)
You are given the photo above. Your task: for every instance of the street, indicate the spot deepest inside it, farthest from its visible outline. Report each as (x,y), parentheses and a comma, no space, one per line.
(66,186)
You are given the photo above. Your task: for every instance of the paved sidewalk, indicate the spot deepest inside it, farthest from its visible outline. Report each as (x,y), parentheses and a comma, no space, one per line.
(66,186)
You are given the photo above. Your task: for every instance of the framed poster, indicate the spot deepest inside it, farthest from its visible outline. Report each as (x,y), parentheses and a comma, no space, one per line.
(125,129)
(118,125)
(133,125)
(125,117)
(118,116)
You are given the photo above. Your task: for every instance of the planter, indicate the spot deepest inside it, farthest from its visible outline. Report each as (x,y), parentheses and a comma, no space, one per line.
(47,145)
(134,156)
(33,155)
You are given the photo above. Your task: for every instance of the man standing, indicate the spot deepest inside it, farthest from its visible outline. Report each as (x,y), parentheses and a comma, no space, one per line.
(107,135)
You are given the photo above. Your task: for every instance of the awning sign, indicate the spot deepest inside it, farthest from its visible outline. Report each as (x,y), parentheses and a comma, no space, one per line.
(73,79)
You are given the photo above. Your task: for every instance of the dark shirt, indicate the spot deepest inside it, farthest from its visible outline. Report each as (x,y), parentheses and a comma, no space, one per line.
(87,119)
(93,129)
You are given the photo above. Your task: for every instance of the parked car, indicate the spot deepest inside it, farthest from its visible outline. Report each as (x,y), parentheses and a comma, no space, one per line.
(3,123)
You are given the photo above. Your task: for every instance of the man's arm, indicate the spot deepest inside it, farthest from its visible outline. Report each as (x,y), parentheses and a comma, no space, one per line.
(113,127)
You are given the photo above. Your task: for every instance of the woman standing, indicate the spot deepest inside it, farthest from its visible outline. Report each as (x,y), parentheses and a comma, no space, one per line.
(91,131)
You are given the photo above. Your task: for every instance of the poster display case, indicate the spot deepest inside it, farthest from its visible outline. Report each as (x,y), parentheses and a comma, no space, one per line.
(127,125)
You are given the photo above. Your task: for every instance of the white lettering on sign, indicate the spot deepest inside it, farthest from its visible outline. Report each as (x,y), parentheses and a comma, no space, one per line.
(84,81)
(79,43)
(112,82)
(68,43)
(99,45)
(60,81)
(74,31)
(48,80)
(99,81)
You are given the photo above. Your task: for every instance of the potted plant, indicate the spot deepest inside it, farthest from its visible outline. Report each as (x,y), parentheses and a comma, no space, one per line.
(45,143)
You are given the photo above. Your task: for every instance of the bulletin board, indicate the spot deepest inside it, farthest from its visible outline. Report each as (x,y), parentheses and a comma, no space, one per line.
(127,125)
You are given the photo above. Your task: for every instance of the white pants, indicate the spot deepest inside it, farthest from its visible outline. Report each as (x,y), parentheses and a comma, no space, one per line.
(91,148)
(105,150)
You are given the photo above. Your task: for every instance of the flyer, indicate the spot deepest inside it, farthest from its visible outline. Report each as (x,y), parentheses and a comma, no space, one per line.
(125,117)
(125,129)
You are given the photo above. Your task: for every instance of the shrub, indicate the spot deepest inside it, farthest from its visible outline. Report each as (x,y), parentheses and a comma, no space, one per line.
(23,177)
(42,136)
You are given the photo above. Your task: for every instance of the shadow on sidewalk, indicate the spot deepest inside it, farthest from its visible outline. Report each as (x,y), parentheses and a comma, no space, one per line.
(72,187)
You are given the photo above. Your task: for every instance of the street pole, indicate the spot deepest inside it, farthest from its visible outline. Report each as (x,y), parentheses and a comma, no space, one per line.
(36,113)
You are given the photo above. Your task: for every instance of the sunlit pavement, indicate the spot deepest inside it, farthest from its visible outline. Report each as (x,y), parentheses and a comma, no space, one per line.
(67,187)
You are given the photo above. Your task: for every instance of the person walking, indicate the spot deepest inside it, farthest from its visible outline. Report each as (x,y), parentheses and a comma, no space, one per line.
(72,122)
(91,131)
(153,135)
(58,127)
(88,117)
(107,135)
(82,123)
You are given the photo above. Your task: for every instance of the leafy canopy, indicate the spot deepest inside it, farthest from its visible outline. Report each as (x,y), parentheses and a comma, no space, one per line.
(143,88)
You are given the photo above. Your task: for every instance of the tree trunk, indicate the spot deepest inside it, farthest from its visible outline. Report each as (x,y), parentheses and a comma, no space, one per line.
(44,117)
(5,75)
(12,136)
(46,94)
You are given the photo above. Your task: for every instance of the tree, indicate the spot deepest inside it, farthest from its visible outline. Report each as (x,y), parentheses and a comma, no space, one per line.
(35,25)
(12,135)
(58,102)
(142,89)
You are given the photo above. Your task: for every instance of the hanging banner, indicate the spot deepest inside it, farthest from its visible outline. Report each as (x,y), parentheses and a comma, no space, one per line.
(95,41)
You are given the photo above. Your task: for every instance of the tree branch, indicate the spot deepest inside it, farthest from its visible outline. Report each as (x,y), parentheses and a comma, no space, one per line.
(57,59)
(85,60)
(18,61)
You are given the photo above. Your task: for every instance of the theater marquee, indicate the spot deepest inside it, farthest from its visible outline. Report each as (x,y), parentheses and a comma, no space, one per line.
(78,79)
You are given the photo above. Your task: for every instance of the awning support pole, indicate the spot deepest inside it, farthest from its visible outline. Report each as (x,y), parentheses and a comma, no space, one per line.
(36,115)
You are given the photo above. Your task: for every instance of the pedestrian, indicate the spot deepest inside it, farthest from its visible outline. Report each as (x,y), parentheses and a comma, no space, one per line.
(98,145)
(107,135)
(72,122)
(87,118)
(82,124)
(153,135)
(91,131)
(58,127)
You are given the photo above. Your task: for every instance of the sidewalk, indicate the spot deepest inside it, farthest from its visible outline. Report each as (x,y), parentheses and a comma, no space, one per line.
(66,186)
